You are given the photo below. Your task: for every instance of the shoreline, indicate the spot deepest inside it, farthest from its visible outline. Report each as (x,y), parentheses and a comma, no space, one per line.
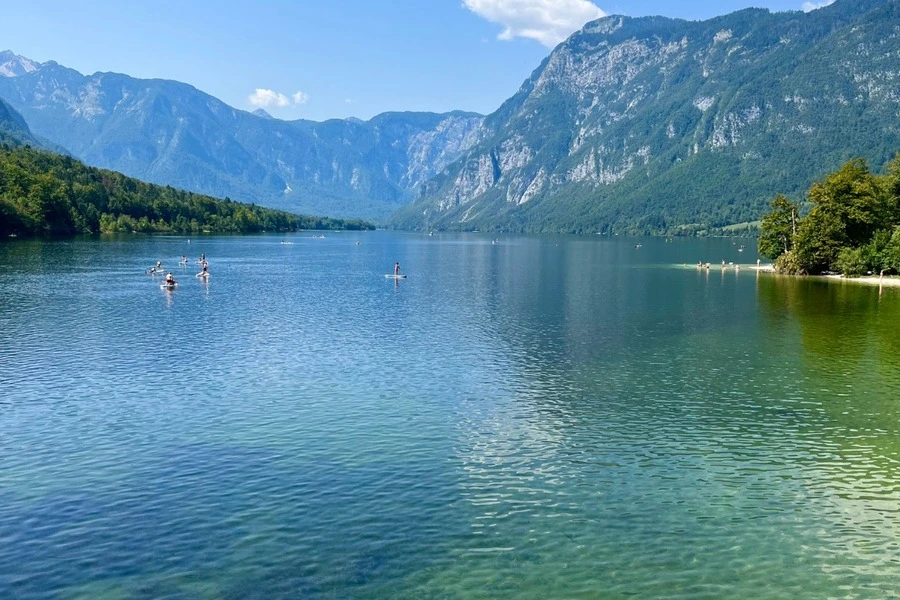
(874,280)
(889,280)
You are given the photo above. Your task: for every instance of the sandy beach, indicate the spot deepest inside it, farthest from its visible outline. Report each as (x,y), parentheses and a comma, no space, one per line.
(887,280)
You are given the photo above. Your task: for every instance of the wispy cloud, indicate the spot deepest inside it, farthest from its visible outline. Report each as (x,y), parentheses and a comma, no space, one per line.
(810,6)
(268,98)
(547,21)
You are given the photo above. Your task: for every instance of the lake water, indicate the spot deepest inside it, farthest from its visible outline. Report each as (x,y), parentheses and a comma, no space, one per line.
(544,417)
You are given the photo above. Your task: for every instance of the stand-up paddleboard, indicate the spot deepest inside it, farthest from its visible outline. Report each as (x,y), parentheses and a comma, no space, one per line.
(168,286)
(392,276)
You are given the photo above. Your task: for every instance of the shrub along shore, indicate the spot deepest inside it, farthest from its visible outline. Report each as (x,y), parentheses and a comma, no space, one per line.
(848,225)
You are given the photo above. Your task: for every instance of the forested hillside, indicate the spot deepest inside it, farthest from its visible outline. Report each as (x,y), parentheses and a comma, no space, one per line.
(42,193)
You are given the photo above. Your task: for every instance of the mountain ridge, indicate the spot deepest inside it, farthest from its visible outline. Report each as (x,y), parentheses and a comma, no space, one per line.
(721,113)
(171,133)
(632,124)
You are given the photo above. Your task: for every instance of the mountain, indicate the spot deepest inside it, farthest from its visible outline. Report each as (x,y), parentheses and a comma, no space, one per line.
(13,128)
(13,65)
(14,131)
(651,125)
(170,133)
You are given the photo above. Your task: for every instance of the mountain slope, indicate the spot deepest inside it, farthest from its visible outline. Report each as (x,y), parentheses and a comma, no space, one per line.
(171,133)
(13,128)
(43,193)
(654,124)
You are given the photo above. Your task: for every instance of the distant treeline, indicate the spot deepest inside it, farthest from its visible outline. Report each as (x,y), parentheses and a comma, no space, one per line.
(47,194)
(852,226)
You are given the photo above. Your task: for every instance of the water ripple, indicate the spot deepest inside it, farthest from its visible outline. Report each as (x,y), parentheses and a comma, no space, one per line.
(538,418)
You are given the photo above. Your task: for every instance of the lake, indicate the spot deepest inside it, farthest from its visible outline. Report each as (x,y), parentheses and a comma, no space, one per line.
(540,417)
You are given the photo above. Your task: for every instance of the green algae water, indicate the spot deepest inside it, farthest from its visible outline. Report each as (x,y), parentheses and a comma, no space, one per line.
(540,417)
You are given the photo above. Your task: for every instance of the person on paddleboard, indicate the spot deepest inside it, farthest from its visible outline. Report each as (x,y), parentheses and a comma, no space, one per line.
(170,279)
(204,272)
(396,269)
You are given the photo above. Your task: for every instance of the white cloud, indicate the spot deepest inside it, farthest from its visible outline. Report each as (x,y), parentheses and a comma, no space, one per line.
(811,6)
(268,98)
(547,21)
(263,97)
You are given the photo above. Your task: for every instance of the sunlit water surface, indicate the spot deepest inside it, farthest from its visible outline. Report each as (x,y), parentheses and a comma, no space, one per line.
(533,418)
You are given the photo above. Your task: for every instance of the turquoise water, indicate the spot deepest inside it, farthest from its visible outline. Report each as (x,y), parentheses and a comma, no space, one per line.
(544,417)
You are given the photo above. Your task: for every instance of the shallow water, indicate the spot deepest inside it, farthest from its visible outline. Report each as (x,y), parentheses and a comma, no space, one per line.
(543,417)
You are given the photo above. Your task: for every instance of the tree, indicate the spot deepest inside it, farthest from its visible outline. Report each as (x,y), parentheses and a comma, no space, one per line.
(848,206)
(776,234)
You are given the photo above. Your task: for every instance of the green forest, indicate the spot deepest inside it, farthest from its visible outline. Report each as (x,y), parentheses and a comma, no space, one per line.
(47,194)
(851,225)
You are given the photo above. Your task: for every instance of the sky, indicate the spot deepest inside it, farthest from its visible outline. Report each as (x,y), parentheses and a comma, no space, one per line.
(322,59)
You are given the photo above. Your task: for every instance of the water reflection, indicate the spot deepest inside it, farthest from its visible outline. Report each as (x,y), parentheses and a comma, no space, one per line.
(843,325)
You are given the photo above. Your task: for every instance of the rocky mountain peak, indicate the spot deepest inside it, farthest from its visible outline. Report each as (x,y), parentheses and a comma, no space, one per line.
(13,65)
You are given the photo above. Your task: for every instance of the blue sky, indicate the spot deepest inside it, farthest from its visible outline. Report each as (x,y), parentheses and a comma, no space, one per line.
(319,59)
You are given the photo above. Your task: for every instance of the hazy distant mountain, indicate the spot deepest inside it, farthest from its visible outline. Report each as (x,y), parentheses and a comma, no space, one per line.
(13,128)
(171,133)
(12,65)
(649,124)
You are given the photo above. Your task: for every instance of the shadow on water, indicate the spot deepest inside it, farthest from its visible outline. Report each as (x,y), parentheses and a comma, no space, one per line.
(849,349)
(843,326)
